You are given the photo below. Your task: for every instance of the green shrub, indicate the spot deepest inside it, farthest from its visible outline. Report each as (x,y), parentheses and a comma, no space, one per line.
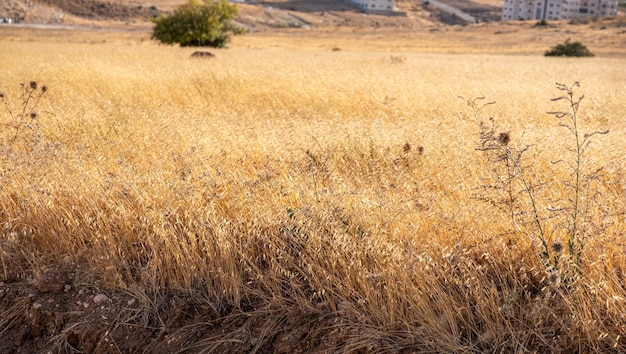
(202,23)
(569,49)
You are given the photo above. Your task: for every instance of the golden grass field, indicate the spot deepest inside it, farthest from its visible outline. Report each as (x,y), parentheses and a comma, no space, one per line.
(285,199)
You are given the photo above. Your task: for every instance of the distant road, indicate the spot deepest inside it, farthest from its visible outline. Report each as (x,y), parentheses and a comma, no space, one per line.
(55,26)
(46,26)
(453,10)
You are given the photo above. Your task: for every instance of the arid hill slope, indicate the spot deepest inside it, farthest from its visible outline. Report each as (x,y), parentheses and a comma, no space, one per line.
(262,15)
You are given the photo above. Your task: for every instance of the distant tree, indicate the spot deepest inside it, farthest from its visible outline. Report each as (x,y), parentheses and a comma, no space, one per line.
(200,23)
(569,49)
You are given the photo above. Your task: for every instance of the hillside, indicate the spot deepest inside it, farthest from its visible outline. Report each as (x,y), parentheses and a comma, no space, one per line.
(259,16)
(264,15)
(70,11)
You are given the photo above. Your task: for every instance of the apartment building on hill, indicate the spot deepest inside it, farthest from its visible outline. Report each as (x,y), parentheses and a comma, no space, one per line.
(375,5)
(557,9)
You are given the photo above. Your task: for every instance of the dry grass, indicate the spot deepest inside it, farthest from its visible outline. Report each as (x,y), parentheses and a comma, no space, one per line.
(311,199)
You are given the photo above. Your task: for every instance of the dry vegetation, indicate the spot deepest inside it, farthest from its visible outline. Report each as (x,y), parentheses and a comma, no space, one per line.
(281,200)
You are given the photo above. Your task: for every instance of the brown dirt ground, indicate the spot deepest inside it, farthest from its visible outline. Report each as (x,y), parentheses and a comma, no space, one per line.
(57,314)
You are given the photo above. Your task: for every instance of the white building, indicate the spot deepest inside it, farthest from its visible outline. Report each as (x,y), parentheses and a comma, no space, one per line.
(557,9)
(375,5)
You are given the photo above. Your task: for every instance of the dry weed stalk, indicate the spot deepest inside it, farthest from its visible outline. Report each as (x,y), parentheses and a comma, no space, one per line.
(510,175)
(508,172)
(581,183)
(24,116)
(20,130)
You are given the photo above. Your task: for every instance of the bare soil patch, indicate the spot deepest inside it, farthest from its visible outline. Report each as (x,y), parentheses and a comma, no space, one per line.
(58,313)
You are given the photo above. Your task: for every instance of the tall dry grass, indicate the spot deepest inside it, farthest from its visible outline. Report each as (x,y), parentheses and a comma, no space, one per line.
(323,199)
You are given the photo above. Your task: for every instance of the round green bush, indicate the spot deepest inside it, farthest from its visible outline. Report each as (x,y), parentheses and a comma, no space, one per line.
(569,49)
(199,23)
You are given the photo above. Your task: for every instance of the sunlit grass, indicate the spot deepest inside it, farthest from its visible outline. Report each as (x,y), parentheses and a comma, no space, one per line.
(332,188)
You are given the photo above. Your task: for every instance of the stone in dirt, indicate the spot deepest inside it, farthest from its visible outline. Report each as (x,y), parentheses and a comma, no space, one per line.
(202,54)
(100,298)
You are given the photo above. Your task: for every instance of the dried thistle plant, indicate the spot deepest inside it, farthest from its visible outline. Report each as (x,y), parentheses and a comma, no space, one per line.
(17,118)
(20,131)
(509,181)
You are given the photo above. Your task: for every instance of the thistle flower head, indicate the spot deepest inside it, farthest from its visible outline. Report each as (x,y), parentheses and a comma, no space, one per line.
(554,279)
(33,85)
(504,138)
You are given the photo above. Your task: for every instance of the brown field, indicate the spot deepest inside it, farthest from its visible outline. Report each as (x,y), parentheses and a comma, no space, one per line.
(287,197)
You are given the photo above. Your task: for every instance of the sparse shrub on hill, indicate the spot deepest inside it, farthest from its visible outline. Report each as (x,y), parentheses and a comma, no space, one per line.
(569,49)
(202,23)
(102,9)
